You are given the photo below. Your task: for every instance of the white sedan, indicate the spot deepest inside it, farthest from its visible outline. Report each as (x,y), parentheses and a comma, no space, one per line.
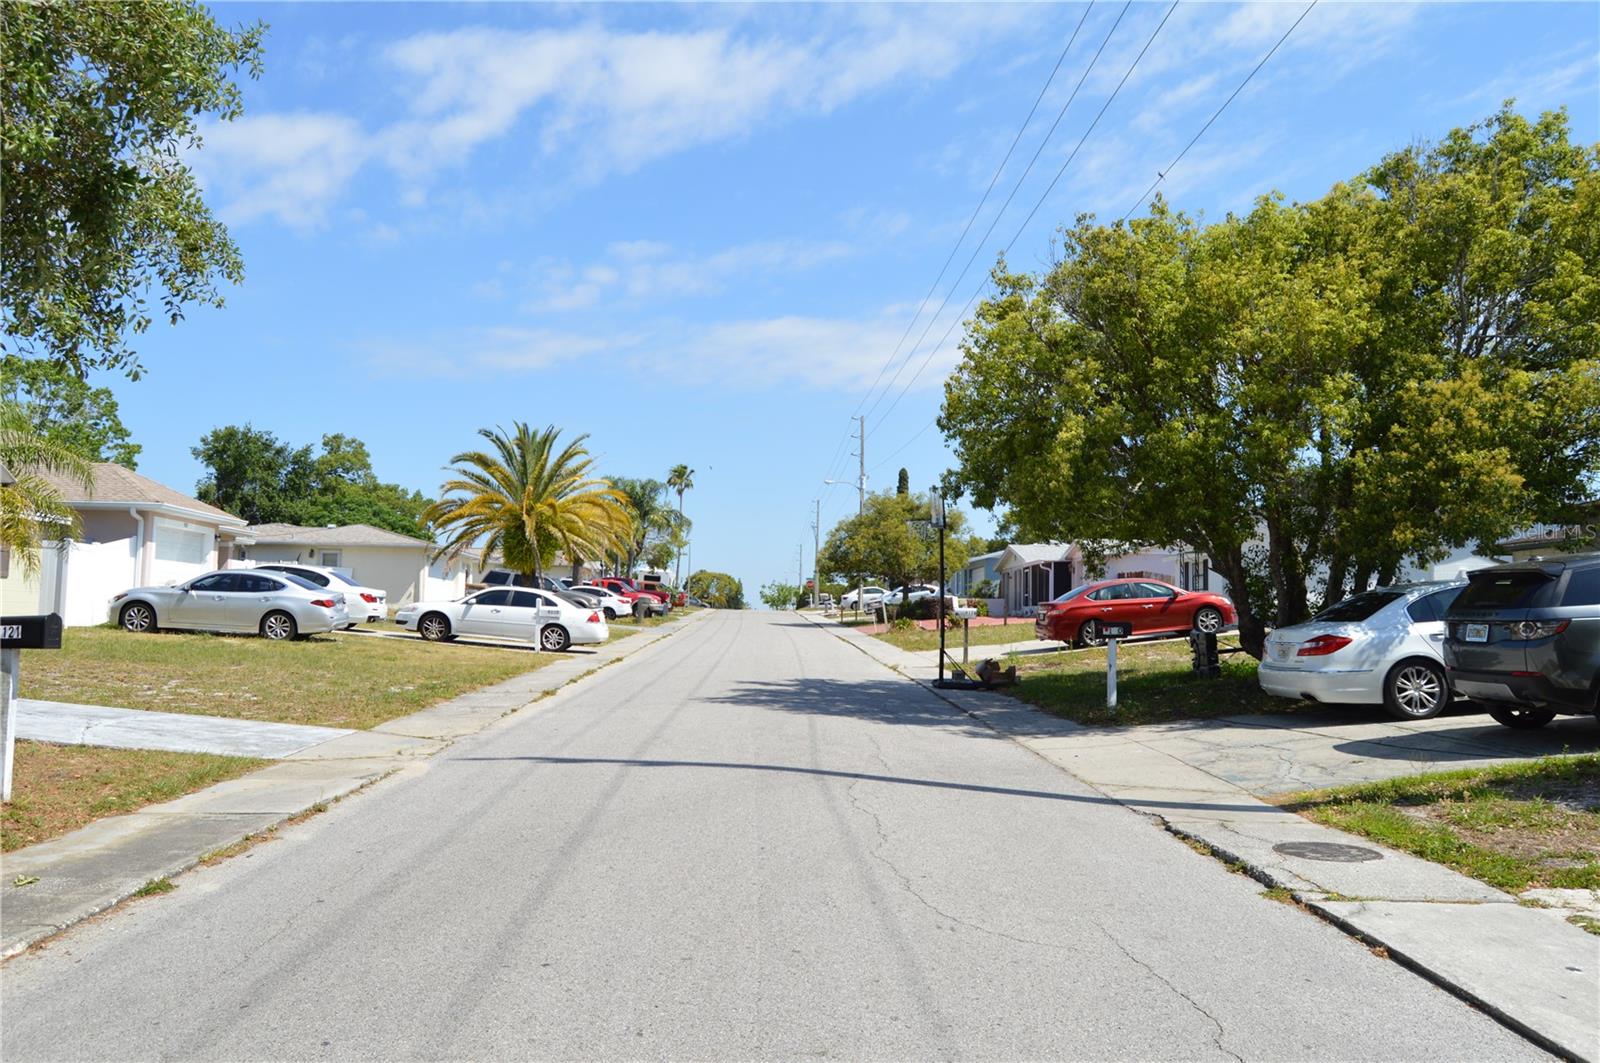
(611,604)
(914,592)
(870,597)
(364,603)
(1381,647)
(507,613)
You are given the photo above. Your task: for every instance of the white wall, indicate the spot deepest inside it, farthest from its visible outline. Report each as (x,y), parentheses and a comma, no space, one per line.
(95,572)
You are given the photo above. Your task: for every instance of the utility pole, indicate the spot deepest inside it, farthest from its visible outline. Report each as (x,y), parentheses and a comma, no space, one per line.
(861,501)
(816,554)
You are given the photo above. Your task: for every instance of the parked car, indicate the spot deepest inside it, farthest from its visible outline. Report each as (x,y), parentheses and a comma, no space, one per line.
(1383,646)
(870,597)
(500,577)
(608,602)
(506,613)
(363,603)
(1148,606)
(1523,639)
(655,603)
(275,605)
(912,592)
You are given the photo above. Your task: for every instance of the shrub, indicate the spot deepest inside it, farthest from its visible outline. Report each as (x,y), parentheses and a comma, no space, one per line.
(902,623)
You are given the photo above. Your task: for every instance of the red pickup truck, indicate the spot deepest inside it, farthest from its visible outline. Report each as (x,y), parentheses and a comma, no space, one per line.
(625,588)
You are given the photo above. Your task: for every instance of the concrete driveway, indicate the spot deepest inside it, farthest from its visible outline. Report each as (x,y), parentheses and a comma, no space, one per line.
(1335,747)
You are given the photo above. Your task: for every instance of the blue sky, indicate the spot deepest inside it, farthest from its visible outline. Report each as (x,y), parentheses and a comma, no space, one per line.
(697,233)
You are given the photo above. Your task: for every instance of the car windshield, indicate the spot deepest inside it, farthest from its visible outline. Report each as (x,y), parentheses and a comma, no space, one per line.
(299,581)
(1359,607)
(346,580)
(1502,590)
(1073,593)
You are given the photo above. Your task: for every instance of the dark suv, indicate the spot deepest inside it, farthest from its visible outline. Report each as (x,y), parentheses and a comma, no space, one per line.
(1523,639)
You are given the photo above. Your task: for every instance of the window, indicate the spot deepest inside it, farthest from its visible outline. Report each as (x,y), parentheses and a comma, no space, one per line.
(1358,608)
(496,597)
(1583,587)
(1504,590)
(222,581)
(1073,593)
(299,581)
(1155,590)
(255,584)
(306,574)
(331,558)
(527,600)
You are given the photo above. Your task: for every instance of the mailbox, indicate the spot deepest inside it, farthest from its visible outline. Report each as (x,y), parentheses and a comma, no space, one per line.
(1203,650)
(1115,631)
(964,612)
(31,632)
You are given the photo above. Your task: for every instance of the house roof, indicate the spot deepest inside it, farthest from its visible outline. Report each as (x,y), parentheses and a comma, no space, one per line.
(980,558)
(1019,554)
(115,485)
(342,535)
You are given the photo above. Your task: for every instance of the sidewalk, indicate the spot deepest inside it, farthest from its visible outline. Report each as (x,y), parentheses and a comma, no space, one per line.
(97,866)
(1526,966)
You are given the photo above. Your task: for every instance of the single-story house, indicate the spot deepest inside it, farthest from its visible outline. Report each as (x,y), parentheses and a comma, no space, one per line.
(133,532)
(978,570)
(401,566)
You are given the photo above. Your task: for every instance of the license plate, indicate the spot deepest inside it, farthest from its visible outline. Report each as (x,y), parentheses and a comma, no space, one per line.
(1475,632)
(1280,651)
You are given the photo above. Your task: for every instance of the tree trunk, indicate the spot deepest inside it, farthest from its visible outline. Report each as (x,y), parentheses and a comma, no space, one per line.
(1338,569)
(1229,564)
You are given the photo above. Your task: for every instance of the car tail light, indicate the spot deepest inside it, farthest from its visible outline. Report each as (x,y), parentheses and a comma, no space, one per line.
(326,603)
(594,618)
(1536,629)
(370,599)
(1323,645)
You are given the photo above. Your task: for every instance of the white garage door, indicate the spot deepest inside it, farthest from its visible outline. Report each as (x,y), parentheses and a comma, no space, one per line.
(182,550)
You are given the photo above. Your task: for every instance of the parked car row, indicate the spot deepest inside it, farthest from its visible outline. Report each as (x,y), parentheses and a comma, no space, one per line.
(284,600)
(1521,641)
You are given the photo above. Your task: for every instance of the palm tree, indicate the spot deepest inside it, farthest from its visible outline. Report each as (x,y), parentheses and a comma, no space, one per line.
(680,479)
(529,497)
(652,516)
(30,503)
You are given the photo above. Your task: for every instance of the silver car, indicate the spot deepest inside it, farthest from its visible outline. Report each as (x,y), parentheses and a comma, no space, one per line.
(275,605)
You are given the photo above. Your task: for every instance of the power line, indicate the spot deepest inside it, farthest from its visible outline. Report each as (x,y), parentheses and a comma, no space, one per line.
(833,461)
(1161,175)
(979,208)
(978,247)
(1050,188)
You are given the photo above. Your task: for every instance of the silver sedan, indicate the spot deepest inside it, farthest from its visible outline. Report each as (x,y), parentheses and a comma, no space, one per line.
(275,605)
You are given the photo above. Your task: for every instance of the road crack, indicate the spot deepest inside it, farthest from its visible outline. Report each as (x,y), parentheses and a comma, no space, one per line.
(1158,976)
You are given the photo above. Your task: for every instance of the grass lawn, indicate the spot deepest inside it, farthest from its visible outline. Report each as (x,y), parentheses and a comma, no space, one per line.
(987,635)
(331,680)
(1154,683)
(1517,826)
(60,788)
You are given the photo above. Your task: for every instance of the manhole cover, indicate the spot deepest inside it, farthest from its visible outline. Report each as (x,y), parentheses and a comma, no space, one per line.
(1332,851)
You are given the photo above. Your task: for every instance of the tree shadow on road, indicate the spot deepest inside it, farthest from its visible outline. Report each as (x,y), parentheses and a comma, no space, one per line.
(890,701)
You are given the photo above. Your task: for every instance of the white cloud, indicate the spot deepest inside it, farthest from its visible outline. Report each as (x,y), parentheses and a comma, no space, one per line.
(645,270)
(291,167)
(468,352)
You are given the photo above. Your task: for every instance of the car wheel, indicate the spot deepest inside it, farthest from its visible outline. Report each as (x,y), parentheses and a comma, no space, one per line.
(1416,690)
(1521,717)
(1208,620)
(554,637)
(611,614)
(435,627)
(1089,634)
(137,617)
(279,626)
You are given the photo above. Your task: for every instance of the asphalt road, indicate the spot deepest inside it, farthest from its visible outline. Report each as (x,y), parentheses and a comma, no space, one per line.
(746,841)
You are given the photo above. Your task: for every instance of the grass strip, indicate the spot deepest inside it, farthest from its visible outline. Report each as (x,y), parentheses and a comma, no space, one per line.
(60,788)
(1514,826)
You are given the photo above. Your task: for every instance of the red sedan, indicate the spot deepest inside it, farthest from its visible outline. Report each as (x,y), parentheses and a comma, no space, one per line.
(1149,606)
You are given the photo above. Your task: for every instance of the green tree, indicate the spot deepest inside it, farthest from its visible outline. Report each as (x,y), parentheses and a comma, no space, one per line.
(891,539)
(32,507)
(680,478)
(1404,366)
(65,410)
(717,589)
(654,519)
(254,475)
(902,485)
(101,104)
(528,497)
(780,595)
